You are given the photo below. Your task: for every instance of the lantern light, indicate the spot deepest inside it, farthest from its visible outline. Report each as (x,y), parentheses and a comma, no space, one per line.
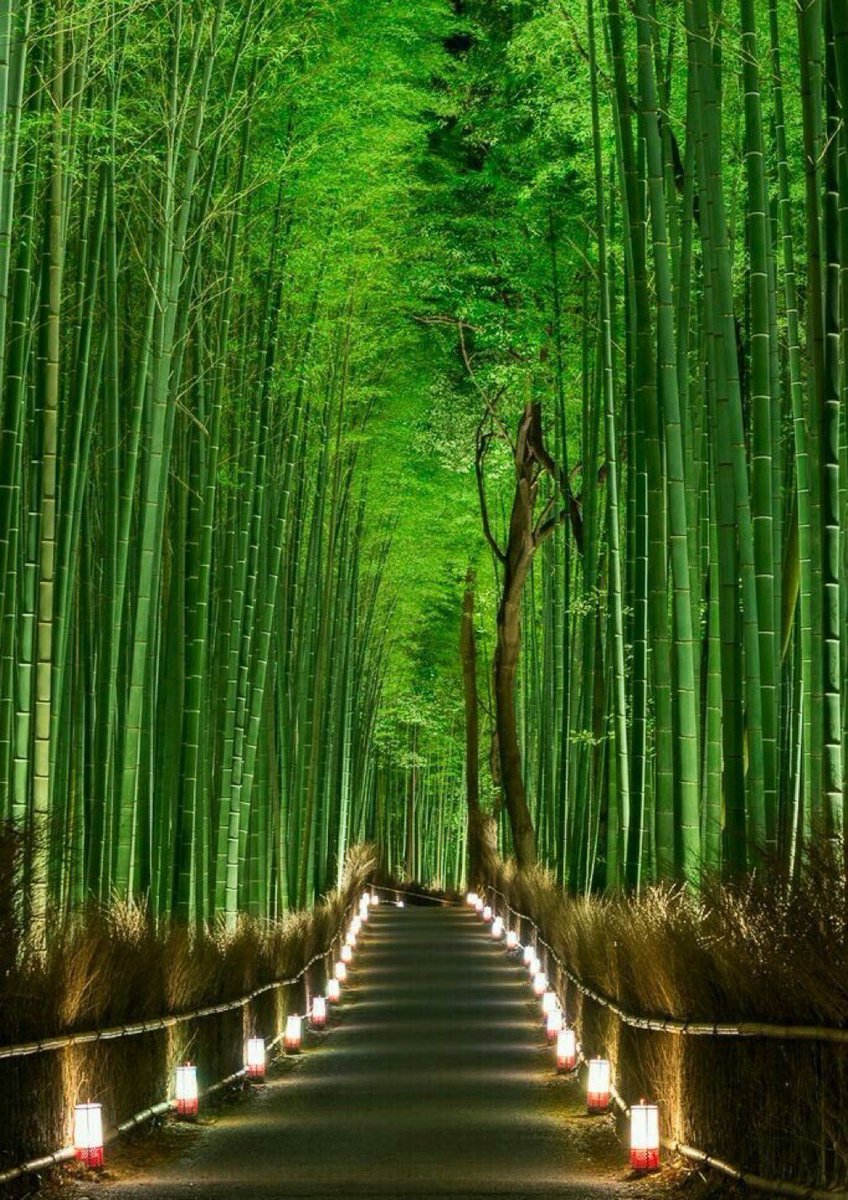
(88,1135)
(319,1012)
(346,954)
(645,1137)
(566,1051)
(375,899)
(356,925)
(535,966)
(497,928)
(186,1090)
(549,1002)
(528,955)
(363,912)
(254,1058)
(399,904)
(340,972)
(365,898)
(478,904)
(334,991)
(540,984)
(553,1024)
(511,939)
(598,1087)
(487,912)
(350,938)
(471,899)
(293,1034)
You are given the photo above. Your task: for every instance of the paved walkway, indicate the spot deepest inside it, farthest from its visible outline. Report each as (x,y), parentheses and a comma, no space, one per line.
(434,1083)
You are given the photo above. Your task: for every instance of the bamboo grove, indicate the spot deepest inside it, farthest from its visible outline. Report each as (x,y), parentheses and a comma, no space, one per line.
(190,663)
(663,190)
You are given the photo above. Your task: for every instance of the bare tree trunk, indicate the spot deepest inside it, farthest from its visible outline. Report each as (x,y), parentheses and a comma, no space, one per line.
(468,657)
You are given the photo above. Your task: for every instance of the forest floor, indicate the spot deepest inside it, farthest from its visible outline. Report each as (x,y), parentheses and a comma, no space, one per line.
(433,1081)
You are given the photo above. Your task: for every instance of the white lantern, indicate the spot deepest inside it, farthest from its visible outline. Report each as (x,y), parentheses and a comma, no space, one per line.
(471,899)
(497,928)
(553,1023)
(535,966)
(346,954)
(375,899)
(88,1134)
(365,898)
(645,1137)
(566,1051)
(549,1002)
(598,1086)
(487,912)
(399,904)
(540,984)
(319,1011)
(356,925)
(479,904)
(350,938)
(512,939)
(334,991)
(528,955)
(254,1058)
(363,913)
(293,1034)
(340,972)
(186,1090)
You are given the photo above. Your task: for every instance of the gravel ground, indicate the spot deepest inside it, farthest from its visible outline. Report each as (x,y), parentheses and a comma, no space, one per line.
(433,1081)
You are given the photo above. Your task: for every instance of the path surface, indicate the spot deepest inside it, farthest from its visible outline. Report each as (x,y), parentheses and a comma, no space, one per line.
(434,1083)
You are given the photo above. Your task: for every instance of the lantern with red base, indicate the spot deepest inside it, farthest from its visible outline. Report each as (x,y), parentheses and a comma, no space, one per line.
(334,991)
(340,972)
(644,1137)
(363,912)
(534,967)
(318,1016)
(350,938)
(566,1051)
(540,984)
(511,939)
(293,1034)
(549,1002)
(598,1087)
(88,1135)
(471,899)
(186,1090)
(254,1058)
(479,904)
(497,928)
(356,925)
(528,955)
(346,954)
(553,1023)
(486,914)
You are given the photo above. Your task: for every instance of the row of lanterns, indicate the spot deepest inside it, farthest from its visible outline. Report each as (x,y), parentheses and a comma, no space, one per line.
(88,1118)
(644,1118)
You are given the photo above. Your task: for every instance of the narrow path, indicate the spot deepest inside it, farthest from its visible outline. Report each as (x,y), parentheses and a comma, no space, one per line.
(435,1083)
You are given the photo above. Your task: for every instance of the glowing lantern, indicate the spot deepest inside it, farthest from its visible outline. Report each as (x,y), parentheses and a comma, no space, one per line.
(549,1002)
(478,904)
(375,899)
(363,912)
(186,1089)
(319,1011)
(540,984)
(511,939)
(340,972)
(292,1036)
(566,1051)
(254,1058)
(346,954)
(350,938)
(88,1134)
(356,925)
(528,955)
(553,1024)
(365,899)
(471,899)
(487,912)
(497,928)
(334,991)
(399,904)
(535,966)
(598,1087)
(645,1137)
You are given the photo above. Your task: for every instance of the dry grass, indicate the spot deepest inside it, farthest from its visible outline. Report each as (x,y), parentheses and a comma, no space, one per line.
(755,950)
(115,965)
